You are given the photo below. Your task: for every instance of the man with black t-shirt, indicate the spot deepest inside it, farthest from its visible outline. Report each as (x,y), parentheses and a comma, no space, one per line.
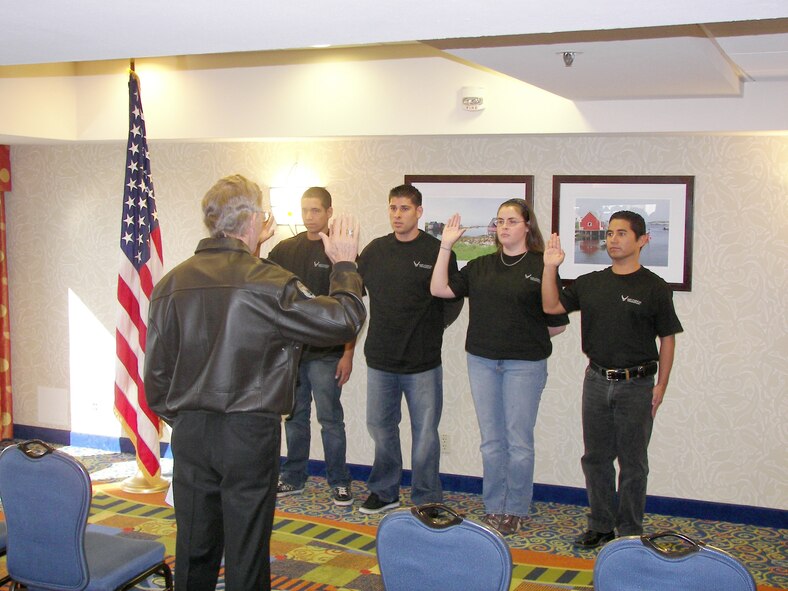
(403,352)
(323,370)
(625,308)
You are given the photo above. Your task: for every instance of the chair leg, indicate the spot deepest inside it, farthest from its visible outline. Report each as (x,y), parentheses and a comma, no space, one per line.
(166,572)
(162,569)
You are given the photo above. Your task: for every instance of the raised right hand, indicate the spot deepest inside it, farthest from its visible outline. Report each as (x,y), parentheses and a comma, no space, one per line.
(341,243)
(452,231)
(553,255)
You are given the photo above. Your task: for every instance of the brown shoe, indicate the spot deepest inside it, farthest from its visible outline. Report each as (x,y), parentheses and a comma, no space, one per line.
(509,525)
(492,520)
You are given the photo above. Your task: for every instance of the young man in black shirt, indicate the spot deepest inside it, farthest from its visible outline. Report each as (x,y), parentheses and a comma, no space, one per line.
(403,352)
(625,308)
(323,370)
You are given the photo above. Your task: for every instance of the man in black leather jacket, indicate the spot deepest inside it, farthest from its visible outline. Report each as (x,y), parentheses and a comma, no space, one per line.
(225,334)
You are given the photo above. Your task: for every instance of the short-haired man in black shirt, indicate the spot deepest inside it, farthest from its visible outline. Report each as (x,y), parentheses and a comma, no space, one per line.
(403,352)
(625,308)
(323,370)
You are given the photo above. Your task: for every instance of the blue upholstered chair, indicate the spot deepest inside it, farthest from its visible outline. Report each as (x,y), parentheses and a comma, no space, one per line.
(432,547)
(46,497)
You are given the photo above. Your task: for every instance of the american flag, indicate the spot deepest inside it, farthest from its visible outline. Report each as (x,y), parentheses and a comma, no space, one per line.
(141,264)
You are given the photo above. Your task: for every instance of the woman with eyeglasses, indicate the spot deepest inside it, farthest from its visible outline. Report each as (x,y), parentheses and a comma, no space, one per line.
(507,345)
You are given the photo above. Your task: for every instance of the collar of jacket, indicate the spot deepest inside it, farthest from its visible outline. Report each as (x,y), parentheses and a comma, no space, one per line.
(225,243)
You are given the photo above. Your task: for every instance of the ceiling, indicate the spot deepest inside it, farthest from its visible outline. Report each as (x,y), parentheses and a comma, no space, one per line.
(670,49)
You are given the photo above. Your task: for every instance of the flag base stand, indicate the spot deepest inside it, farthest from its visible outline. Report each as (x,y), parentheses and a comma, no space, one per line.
(140,485)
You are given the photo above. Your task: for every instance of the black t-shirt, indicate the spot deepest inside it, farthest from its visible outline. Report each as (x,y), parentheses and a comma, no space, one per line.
(622,315)
(307,259)
(406,322)
(506,320)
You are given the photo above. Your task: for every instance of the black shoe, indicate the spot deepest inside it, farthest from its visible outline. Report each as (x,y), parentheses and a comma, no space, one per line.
(342,496)
(285,490)
(374,504)
(592,539)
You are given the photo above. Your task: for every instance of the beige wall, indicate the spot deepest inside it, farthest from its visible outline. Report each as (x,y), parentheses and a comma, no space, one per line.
(369,92)
(721,434)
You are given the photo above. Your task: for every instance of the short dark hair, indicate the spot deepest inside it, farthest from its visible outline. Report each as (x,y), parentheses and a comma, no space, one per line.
(408,191)
(636,221)
(318,193)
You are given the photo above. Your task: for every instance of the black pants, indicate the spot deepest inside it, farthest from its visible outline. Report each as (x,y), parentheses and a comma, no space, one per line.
(617,425)
(225,471)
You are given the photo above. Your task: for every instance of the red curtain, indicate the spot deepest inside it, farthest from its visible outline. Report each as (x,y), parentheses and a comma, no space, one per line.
(6,406)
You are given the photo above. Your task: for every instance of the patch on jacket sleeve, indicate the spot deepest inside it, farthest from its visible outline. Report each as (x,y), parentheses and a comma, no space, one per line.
(304,289)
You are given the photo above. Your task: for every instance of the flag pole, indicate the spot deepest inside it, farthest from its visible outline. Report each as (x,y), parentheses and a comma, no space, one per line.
(140,484)
(141,266)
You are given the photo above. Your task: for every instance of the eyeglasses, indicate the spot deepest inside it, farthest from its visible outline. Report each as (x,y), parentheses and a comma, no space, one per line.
(500,222)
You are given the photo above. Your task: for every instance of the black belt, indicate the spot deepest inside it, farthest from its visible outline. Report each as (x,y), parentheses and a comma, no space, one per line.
(626,373)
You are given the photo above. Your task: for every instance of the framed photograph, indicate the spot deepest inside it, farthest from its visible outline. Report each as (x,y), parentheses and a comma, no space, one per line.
(476,198)
(582,206)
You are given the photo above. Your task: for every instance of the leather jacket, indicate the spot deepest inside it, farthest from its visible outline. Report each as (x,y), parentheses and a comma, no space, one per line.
(226,328)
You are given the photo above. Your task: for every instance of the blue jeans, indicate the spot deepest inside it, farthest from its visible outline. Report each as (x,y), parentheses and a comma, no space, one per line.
(424,396)
(316,379)
(617,424)
(506,394)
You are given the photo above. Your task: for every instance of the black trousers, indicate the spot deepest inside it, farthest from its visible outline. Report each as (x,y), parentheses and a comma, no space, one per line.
(617,425)
(225,471)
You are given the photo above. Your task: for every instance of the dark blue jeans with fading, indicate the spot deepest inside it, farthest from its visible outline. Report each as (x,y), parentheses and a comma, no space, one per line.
(617,425)
(316,379)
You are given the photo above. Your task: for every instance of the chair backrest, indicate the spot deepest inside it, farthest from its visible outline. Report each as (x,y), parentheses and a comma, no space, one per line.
(645,563)
(46,498)
(432,547)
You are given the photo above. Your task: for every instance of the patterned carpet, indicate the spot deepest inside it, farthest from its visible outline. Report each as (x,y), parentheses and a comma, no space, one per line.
(317,546)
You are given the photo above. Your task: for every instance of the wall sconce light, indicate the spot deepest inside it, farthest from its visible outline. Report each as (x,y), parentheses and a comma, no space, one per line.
(286,206)
(285,195)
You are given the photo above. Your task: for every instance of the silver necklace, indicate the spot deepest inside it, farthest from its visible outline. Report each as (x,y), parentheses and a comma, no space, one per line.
(515,262)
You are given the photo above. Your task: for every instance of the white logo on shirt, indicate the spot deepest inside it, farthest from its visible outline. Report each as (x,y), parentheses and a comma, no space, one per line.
(420,265)
(530,277)
(319,265)
(630,300)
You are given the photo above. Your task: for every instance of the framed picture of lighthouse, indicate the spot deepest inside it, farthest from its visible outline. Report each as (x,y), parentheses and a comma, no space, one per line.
(476,198)
(582,206)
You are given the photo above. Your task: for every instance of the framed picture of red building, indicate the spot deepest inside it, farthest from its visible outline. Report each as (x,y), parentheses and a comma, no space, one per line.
(582,206)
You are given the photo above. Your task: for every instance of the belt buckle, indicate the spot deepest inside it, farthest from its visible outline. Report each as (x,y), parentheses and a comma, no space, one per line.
(611,374)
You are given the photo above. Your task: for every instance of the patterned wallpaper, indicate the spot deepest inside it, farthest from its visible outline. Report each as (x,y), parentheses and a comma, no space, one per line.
(722,432)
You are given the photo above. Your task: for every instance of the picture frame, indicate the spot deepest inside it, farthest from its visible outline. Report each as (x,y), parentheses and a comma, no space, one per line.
(476,198)
(582,206)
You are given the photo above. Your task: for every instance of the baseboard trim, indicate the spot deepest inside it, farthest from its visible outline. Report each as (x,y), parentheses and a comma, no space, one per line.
(551,493)
(62,437)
